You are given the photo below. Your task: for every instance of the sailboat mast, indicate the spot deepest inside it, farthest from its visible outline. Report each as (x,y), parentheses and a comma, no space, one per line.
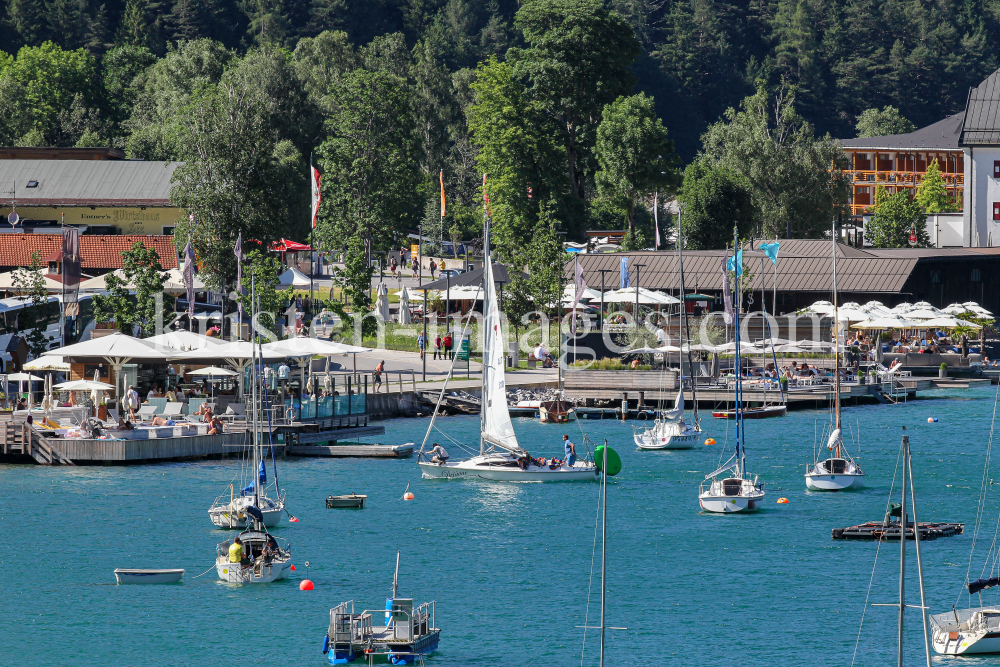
(916,543)
(253,410)
(486,309)
(739,366)
(836,338)
(684,322)
(902,552)
(604,539)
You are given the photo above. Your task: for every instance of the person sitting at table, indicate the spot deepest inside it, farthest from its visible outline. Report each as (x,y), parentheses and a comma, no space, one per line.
(172,394)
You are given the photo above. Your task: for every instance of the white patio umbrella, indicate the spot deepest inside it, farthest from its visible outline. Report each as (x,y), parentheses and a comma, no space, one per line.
(923,314)
(100,282)
(846,314)
(214,371)
(238,354)
(183,340)
(889,322)
(813,345)
(404,308)
(302,348)
(83,385)
(645,297)
(55,364)
(819,308)
(174,282)
(24,377)
(382,303)
(731,347)
(51,285)
(116,349)
(586,294)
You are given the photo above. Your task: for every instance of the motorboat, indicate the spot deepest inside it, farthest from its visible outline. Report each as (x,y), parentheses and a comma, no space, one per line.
(500,457)
(409,632)
(759,412)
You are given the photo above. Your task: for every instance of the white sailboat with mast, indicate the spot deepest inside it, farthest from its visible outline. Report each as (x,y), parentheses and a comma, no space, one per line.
(839,471)
(263,558)
(671,430)
(500,457)
(731,488)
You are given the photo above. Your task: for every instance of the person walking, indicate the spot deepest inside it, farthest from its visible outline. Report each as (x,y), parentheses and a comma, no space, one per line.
(437,347)
(421,343)
(447,345)
(415,268)
(377,375)
(433,269)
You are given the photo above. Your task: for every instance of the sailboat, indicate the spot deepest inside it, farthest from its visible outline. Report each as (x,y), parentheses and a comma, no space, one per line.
(973,629)
(839,471)
(265,557)
(670,430)
(232,514)
(500,457)
(731,488)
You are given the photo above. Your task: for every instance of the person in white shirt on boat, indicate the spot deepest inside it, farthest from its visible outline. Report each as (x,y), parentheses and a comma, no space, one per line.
(570,450)
(438,454)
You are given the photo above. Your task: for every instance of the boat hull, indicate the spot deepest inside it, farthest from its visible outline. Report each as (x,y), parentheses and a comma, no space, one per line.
(223,516)
(678,441)
(753,413)
(476,468)
(730,504)
(837,482)
(131,576)
(235,573)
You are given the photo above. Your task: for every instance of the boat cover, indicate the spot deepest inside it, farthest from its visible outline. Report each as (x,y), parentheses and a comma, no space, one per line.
(983,584)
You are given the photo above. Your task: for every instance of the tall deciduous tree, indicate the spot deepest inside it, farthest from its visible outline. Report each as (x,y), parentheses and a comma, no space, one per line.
(576,62)
(895,217)
(797,181)
(714,201)
(633,151)
(142,275)
(370,172)
(875,123)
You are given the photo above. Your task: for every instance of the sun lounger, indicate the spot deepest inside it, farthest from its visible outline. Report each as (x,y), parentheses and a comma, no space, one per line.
(146,412)
(172,410)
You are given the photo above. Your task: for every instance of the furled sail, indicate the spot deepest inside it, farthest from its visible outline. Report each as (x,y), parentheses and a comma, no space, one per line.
(497,427)
(834,440)
(678,410)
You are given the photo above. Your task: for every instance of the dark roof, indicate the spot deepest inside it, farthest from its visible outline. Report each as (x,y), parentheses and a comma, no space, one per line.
(55,153)
(470,278)
(982,113)
(804,265)
(87,182)
(942,135)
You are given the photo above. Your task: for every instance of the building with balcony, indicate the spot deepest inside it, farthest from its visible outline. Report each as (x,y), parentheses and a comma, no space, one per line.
(966,146)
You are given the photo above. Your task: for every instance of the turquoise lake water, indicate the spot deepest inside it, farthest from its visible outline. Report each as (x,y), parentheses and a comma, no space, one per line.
(508,564)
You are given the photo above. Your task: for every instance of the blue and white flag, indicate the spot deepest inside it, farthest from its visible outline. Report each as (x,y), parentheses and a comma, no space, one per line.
(624,280)
(771,250)
(735,263)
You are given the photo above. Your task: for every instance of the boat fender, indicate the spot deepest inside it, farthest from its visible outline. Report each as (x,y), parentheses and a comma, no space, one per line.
(326,643)
(932,420)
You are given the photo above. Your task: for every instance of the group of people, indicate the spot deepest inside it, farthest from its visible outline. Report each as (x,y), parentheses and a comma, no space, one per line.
(412,263)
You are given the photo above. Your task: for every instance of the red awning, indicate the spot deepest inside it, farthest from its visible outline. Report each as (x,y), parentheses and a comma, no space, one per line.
(284,245)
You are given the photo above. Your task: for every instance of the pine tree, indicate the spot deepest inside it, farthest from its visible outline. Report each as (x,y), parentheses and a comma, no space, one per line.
(931,193)
(28,20)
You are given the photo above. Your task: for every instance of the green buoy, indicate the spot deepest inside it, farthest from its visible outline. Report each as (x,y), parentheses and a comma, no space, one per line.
(614,461)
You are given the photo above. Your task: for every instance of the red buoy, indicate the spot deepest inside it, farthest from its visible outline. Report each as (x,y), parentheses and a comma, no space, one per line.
(293,568)
(305,585)
(408,495)
(292,519)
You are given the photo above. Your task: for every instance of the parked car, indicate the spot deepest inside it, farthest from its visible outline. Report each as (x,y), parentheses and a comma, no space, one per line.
(450,272)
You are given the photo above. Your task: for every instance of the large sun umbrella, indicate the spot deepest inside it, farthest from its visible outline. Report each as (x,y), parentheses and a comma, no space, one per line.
(923,314)
(847,314)
(83,385)
(586,294)
(183,340)
(174,282)
(645,297)
(101,283)
(116,349)
(731,347)
(238,354)
(819,308)
(24,377)
(404,308)
(55,364)
(382,303)
(303,347)
(889,322)
(214,371)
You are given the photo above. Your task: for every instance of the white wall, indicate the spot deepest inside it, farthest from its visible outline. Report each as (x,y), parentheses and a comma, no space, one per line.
(981,191)
(946,230)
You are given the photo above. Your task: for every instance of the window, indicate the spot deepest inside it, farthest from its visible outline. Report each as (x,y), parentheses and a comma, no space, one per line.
(34,184)
(996,210)
(976,276)
(996,168)
(936,276)
(168,231)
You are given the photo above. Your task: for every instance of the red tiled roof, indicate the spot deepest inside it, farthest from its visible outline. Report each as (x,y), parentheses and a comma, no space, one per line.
(98,251)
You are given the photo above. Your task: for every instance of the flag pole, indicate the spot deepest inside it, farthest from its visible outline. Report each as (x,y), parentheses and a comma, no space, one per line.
(312,236)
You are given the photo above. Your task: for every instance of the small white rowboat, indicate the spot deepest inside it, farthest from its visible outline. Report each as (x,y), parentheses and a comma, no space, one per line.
(126,576)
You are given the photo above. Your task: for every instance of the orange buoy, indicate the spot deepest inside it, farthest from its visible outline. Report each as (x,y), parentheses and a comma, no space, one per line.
(710,441)
(408,495)
(305,585)
(782,501)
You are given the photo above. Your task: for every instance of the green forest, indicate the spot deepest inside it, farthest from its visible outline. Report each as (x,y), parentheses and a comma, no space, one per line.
(578,110)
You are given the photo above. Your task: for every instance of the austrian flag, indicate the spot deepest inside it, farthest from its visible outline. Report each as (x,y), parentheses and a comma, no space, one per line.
(316,196)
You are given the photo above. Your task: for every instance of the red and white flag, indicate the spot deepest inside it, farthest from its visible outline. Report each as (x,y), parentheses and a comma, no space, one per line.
(316,196)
